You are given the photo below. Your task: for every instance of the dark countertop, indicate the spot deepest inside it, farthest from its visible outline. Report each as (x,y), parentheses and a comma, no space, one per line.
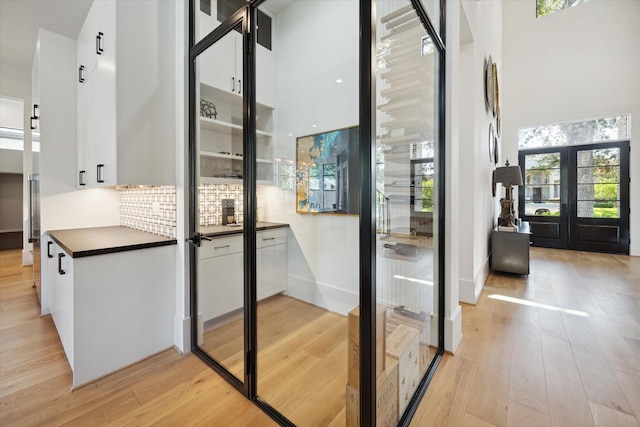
(82,242)
(225,230)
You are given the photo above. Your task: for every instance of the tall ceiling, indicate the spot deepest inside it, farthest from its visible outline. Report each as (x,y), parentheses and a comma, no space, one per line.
(20,21)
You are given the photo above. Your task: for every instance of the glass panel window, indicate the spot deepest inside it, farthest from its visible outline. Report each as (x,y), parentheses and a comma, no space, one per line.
(545,7)
(542,184)
(574,133)
(598,183)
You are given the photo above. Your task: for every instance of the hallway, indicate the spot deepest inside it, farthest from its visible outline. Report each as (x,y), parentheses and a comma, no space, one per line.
(568,357)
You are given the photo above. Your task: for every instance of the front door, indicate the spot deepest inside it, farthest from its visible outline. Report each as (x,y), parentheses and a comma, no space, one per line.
(577,197)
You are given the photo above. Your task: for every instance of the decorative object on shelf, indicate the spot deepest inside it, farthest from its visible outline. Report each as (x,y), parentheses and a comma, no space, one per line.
(493,182)
(208,109)
(327,166)
(508,176)
(492,144)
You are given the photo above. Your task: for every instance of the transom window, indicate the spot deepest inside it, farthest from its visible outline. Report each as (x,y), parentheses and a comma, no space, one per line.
(545,7)
(613,128)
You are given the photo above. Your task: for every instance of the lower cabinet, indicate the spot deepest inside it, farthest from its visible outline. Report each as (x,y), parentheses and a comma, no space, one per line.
(112,310)
(221,271)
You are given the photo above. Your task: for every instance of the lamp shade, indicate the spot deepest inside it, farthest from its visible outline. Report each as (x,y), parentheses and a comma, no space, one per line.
(509,175)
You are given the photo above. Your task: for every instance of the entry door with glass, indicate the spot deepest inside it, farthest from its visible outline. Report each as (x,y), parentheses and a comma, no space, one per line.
(578,197)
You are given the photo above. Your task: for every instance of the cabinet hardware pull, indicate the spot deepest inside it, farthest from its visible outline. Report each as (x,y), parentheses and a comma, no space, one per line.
(49,243)
(268,238)
(233,84)
(220,247)
(36,110)
(81,178)
(99,49)
(239,86)
(33,127)
(100,178)
(60,270)
(81,74)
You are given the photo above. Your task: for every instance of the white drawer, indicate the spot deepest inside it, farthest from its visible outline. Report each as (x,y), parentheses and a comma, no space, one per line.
(219,246)
(277,236)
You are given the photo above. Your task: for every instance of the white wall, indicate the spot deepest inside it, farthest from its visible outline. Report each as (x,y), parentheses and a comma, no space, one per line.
(578,63)
(475,34)
(310,56)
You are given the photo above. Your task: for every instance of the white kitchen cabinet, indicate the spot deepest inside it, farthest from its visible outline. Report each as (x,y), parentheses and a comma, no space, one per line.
(271,262)
(221,271)
(220,66)
(53,80)
(112,310)
(126,101)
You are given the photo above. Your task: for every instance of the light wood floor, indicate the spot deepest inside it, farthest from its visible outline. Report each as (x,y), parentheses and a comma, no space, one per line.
(517,365)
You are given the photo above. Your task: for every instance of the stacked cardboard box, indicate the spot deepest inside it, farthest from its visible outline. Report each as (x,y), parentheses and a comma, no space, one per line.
(403,346)
(386,373)
(386,398)
(354,344)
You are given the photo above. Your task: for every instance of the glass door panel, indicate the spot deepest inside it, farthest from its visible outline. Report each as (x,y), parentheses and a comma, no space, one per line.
(577,197)
(219,213)
(543,197)
(599,219)
(307,276)
(407,180)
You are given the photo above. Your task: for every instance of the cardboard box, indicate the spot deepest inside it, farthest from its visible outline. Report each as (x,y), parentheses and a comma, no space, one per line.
(403,345)
(353,366)
(387,414)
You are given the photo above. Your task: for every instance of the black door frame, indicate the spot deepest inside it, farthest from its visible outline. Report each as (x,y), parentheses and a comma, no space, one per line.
(568,222)
(246,17)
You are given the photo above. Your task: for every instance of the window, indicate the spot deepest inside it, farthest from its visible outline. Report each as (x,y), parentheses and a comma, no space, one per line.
(612,128)
(545,7)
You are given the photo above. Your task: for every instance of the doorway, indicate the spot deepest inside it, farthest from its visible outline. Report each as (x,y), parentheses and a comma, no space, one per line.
(577,197)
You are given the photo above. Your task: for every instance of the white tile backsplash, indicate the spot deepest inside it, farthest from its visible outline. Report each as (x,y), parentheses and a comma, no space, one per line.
(151,209)
(210,198)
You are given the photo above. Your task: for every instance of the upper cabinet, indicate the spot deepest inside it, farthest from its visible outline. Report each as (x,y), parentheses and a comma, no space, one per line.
(53,91)
(126,74)
(227,75)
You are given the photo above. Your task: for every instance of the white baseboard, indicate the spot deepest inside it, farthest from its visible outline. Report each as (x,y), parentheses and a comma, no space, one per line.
(182,333)
(469,291)
(325,296)
(453,330)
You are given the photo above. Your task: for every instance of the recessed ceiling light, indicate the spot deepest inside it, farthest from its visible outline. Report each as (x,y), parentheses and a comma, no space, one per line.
(313,126)
(338,80)
(290,134)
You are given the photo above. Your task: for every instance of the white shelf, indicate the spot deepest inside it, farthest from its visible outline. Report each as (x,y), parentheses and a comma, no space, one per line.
(225,127)
(233,181)
(230,156)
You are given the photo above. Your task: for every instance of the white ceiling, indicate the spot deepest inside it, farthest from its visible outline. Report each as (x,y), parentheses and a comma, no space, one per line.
(20,21)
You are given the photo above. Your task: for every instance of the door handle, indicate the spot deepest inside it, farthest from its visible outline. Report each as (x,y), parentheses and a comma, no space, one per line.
(99,48)
(99,170)
(60,270)
(49,243)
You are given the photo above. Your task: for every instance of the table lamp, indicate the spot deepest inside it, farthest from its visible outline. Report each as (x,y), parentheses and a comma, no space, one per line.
(508,176)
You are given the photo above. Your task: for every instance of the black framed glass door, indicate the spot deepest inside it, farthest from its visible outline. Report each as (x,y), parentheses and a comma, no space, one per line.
(577,197)
(286,132)
(218,164)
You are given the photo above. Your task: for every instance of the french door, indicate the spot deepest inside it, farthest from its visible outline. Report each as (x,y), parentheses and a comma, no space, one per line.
(577,197)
